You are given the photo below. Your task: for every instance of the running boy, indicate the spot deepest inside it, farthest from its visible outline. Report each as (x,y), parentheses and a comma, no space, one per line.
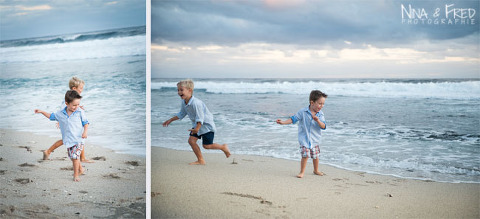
(203,126)
(311,122)
(74,126)
(75,84)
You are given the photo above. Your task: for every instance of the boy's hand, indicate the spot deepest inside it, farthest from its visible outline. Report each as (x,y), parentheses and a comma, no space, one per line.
(166,123)
(194,131)
(279,121)
(82,108)
(315,118)
(84,135)
(38,111)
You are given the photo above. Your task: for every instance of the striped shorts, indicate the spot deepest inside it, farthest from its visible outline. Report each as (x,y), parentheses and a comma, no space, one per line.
(313,152)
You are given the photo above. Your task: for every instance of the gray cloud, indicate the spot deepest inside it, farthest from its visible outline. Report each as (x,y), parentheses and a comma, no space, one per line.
(312,23)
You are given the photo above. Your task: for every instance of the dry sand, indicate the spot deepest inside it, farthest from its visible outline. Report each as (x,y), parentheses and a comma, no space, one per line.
(113,187)
(262,187)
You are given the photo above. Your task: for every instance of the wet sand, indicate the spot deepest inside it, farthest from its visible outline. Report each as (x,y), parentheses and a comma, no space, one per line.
(261,187)
(112,187)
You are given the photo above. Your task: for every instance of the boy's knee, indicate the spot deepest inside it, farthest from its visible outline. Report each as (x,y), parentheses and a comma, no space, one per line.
(206,146)
(192,141)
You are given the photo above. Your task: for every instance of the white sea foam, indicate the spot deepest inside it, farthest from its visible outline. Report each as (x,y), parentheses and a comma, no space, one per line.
(77,50)
(442,90)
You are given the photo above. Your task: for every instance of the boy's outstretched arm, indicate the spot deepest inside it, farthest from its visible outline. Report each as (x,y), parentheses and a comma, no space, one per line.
(285,122)
(166,123)
(85,131)
(43,113)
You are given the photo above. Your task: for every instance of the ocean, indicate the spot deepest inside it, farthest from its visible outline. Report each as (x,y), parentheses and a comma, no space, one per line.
(425,129)
(35,74)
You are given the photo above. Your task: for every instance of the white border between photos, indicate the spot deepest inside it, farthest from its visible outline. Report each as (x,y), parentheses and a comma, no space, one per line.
(148,196)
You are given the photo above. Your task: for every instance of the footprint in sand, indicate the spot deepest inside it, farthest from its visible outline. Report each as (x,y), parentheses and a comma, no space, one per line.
(26,147)
(133,163)
(2,172)
(102,158)
(112,176)
(27,165)
(22,180)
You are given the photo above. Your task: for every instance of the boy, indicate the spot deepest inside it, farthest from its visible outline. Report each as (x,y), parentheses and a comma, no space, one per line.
(74,126)
(203,126)
(75,84)
(311,122)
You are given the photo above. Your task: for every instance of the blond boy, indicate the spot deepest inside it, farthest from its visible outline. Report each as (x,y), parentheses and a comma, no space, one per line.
(203,126)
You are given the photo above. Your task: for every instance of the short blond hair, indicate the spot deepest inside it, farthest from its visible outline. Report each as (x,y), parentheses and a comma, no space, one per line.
(75,82)
(187,83)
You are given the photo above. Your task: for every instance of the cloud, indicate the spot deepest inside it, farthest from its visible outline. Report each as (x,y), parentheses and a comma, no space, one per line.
(303,22)
(33,8)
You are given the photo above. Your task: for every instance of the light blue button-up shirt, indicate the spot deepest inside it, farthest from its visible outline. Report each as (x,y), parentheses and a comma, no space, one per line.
(197,111)
(71,126)
(309,132)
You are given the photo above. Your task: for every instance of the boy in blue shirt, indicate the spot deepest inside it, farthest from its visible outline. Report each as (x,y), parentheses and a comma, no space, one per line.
(203,126)
(74,126)
(311,122)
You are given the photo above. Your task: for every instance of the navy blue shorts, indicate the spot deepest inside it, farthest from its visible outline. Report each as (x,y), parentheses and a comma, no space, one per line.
(207,138)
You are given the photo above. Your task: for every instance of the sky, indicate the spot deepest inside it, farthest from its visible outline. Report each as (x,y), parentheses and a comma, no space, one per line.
(21,19)
(315,39)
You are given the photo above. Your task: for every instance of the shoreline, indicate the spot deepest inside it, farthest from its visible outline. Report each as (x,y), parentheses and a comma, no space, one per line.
(248,186)
(113,186)
(338,167)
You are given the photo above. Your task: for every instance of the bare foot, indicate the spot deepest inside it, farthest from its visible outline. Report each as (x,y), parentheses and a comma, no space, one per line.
(87,161)
(45,155)
(199,162)
(300,175)
(226,150)
(82,170)
(319,173)
(76,179)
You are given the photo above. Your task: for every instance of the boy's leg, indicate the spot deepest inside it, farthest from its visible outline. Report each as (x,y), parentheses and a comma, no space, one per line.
(315,167)
(196,149)
(207,142)
(314,153)
(76,169)
(223,147)
(83,159)
(303,164)
(55,145)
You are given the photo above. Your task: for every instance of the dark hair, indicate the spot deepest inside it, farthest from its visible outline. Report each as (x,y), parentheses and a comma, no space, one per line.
(316,94)
(71,95)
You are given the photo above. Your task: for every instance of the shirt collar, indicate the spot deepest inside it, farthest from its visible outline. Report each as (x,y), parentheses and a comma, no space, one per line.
(64,111)
(307,109)
(190,101)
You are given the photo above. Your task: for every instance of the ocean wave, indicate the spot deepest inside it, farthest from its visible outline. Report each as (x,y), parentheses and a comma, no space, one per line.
(78,37)
(442,90)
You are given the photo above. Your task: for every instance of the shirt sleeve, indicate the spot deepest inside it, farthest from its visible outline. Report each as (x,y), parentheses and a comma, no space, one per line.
(182,112)
(52,117)
(199,113)
(83,117)
(297,117)
(322,119)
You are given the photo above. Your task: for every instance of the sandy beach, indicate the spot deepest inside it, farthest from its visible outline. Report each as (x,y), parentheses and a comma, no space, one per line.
(113,186)
(262,187)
